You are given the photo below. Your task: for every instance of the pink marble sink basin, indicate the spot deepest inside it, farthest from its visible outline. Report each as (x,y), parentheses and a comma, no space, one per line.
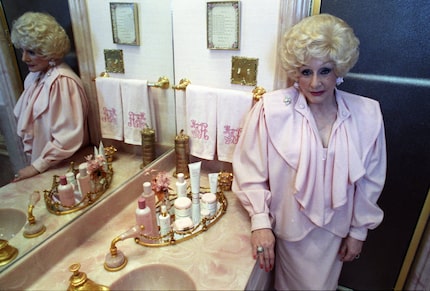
(11,222)
(155,277)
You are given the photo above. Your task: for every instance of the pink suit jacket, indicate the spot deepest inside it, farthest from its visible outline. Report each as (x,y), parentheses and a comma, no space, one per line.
(289,182)
(52,116)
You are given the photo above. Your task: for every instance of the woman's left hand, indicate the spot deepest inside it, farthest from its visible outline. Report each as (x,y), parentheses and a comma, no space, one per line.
(25,173)
(350,249)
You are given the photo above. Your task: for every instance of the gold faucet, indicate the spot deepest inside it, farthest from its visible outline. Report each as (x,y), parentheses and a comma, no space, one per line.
(33,228)
(7,252)
(80,281)
(116,260)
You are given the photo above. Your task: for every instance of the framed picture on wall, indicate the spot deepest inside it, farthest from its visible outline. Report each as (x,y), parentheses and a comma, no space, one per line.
(223,25)
(125,23)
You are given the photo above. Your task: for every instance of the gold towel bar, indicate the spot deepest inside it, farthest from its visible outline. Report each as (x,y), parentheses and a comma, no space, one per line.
(163,82)
(183,83)
(257,93)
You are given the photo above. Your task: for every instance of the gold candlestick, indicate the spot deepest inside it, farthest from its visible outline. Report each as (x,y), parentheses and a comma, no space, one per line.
(182,151)
(148,145)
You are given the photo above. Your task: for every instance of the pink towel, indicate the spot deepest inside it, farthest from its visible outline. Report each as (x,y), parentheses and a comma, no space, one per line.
(201,105)
(232,107)
(110,108)
(136,109)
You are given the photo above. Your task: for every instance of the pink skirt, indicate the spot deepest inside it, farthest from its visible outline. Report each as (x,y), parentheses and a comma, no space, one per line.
(309,264)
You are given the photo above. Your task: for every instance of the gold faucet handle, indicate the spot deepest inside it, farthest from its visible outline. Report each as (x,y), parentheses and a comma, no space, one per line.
(80,281)
(34,198)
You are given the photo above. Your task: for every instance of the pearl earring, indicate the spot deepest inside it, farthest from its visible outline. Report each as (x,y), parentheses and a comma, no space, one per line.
(296,85)
(52,63)
(339,81)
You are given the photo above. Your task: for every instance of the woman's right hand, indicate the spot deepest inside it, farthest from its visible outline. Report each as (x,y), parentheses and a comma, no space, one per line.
(264,238)
(25,173)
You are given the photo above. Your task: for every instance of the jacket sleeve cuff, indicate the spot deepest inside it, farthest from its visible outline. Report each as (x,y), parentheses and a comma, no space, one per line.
(260,221)
(359,233)
(40,165)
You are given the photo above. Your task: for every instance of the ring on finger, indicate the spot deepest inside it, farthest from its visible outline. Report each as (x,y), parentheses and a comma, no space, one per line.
(260,249)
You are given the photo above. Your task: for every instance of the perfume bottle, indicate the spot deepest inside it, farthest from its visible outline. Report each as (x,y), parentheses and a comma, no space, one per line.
(83,179)
(149,196)
(143,217)
(65,192)
(181,185)
(164,219)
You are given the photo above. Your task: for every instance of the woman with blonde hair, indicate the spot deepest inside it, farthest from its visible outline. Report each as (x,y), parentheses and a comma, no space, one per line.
(52,110)
(310,164)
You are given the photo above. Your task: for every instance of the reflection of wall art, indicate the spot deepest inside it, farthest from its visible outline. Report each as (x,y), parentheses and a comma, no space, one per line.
(125,23)
(244,71)
(223,25)
(114,61)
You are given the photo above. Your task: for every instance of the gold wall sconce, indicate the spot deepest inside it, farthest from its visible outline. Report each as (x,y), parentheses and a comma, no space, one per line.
(114,61)
(244,71)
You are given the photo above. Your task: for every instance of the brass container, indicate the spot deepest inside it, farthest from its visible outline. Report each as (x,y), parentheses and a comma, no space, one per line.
(148,146)
(182,151)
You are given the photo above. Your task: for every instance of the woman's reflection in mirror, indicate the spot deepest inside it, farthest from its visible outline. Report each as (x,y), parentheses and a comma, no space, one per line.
(52,110)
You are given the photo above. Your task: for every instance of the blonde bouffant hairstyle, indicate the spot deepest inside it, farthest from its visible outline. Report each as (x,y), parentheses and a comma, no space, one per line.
(320,36)
(41,33)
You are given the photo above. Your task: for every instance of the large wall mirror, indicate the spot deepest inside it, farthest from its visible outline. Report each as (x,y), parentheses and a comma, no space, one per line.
(80,20)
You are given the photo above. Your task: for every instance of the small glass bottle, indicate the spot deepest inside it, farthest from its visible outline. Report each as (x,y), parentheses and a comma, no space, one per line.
(165,225)
(71,179)
(65,192)
(143,217)
(195,208)
(83,179)
(149,196)
(181,185)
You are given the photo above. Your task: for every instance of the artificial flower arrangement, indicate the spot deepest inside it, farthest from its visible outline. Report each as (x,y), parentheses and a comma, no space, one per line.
(97,168)
(160,185)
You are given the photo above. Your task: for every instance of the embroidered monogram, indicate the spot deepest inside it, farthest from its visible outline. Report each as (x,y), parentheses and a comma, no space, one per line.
(231,135)
(199,130)
(136,120)
(109,115)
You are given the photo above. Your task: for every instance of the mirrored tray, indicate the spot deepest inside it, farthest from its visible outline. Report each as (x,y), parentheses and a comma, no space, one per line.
(174,236)
(102,183)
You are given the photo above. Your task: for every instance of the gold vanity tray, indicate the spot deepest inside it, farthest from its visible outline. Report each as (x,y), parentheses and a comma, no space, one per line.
(54,205)
(174,237)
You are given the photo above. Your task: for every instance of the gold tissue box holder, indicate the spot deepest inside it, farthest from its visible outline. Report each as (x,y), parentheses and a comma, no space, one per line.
(174,237)
(53,203)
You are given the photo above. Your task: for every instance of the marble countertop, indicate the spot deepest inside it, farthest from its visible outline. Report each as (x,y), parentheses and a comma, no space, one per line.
(220,258)
(16,196)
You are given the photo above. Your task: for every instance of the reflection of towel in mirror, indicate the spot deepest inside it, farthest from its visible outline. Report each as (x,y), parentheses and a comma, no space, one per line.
(110,107)
(201,105)
(136,109)
(232,107)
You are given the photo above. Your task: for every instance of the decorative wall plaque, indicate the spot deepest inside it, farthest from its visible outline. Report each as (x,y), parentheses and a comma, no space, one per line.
(125,23)
(223,25)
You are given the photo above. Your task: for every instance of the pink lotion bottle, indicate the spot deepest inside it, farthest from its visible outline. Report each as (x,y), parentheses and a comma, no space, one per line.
(66,192)
(149,196)
(143,217)
(83,179)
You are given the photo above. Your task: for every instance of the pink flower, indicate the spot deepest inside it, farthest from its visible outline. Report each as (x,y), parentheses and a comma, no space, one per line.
(161,182)
(95,166)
